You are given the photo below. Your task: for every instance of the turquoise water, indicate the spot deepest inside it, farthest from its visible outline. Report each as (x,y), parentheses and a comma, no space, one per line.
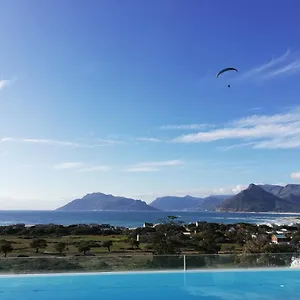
(205,285)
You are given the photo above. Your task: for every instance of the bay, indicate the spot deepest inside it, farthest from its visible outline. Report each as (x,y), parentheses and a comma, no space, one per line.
(135,219)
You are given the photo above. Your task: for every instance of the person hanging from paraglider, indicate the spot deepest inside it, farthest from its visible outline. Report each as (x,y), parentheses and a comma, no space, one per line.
(226,70)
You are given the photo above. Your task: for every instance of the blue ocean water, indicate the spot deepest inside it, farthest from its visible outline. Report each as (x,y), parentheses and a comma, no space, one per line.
(132,219)
(205,285)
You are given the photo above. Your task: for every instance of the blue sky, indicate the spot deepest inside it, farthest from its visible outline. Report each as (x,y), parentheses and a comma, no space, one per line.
(122,97)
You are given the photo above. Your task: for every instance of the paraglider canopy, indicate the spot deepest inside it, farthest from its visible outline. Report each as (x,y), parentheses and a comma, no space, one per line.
(226,70)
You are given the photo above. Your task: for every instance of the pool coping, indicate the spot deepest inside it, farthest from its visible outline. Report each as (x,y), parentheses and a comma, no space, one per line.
(72,274)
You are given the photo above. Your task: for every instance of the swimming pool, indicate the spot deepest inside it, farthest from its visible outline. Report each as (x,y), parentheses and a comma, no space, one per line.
(252,284)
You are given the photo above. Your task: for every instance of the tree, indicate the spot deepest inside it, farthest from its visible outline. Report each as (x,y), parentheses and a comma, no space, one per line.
(136,244)
(256,245)
(280,248)
(163,244)
(231,248)
(208,246)
(172,218)
(38,244)
(6,247)
(84,247)
(107,244)
(60,247)
(204,243)
(133,242)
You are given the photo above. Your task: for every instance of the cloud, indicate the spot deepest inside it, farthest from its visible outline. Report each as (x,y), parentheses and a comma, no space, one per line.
(154,166)
(142,169)
(280,130)
(286,64)
(281,143)
(96,168)
(255,108)
(295,175)
(238,188)
(167,163)
(253,120)
(68,165)
(52,142)
(46,142)
(3,140)
(107,142)
(81,167)
(236,146)
(185,127)
(284,70)
(266,66)
(154,140)
(4,83)
(255,132)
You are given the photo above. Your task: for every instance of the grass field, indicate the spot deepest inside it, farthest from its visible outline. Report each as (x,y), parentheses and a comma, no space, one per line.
(21,245)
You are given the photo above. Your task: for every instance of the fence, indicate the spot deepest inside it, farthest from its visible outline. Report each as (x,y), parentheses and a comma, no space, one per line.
(18,265)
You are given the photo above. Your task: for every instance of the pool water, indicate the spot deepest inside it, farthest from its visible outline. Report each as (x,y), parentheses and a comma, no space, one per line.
(205,285)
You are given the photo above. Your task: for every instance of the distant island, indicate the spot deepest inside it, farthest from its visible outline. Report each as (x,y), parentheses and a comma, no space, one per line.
(255,198)
(103,202)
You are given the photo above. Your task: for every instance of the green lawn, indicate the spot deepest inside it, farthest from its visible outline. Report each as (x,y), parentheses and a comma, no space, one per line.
(21,245)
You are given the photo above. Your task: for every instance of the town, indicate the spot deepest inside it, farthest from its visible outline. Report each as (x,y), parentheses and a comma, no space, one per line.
(152,245)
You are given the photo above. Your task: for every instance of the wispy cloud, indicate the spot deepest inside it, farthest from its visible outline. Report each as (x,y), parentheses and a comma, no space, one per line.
(3,140)
(52,142)
(185,126)
(255,108)
(167,163)
(68,165)
(96,168)
(266,66)
(281,118)
(289,69)
(154,166)
(281,143)
(255,132)
(82,167)
(4,83)
(142,169)
(236,146)
(295,175)
(259,131)
(145,139)
(286,64)
(46,142)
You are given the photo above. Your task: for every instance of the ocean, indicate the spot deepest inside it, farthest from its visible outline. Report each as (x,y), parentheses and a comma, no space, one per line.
(136,219)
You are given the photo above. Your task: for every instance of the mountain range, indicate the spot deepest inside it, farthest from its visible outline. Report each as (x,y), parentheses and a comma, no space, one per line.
(255,198)
(188,203)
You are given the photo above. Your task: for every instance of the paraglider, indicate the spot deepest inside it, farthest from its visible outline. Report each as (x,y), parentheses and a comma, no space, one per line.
(226,70)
